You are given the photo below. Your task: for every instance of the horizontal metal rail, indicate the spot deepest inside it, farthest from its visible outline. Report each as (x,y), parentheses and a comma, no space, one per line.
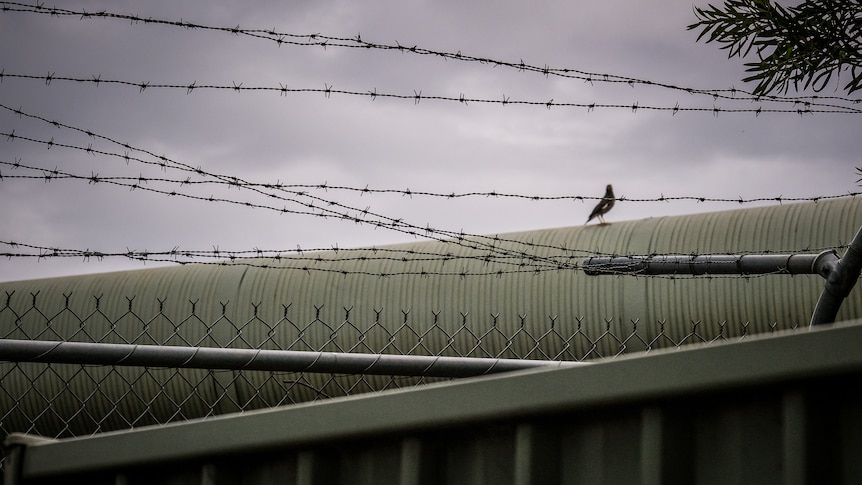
(263,360)
(840,274)
(710,264)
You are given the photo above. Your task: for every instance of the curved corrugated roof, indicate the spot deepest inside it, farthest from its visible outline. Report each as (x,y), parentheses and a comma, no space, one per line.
(351,284)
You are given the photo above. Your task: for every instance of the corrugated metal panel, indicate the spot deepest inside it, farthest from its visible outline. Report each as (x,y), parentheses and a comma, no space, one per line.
(773,409)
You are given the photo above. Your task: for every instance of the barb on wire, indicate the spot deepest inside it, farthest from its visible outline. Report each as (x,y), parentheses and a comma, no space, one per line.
(327,91)
(356,42)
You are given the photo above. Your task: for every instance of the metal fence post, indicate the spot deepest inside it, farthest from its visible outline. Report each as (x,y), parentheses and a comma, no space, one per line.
(841,275)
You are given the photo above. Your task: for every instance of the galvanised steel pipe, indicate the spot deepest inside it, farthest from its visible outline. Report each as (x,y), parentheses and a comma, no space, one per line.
(841,275)
(706,264)
(263,360)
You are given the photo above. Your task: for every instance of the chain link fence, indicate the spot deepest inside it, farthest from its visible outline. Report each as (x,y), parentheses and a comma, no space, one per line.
(64,400)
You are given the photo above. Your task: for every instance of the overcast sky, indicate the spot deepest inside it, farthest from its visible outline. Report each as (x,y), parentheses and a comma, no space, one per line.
(439,146)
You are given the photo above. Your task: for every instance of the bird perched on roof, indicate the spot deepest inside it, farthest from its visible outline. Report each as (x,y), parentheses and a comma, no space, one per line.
(604,205)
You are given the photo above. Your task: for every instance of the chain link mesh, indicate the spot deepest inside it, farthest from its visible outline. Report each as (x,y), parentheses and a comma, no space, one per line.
(66,400)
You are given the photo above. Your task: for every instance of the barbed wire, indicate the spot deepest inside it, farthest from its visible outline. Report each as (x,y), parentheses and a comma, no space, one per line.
(165,163)
(390,223)
(278,264)
(356,42)
(514,261)
(471,241)
(462,273)
(328,90)
(258,253)
(321,259)
(56,174)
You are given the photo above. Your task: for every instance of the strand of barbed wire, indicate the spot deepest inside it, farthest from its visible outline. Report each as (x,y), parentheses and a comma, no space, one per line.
(48,175)
(417,96)
(392,253)
(356,42)
(309,267)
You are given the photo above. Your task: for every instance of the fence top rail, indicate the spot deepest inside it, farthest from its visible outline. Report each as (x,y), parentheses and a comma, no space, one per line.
(258,359)
(741,264)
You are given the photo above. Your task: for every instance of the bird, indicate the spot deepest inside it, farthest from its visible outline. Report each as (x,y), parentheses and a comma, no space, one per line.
(604,205)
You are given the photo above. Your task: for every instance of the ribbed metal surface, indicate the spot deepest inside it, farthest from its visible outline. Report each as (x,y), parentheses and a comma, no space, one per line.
(774,409)
(567,294)
(296,298)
